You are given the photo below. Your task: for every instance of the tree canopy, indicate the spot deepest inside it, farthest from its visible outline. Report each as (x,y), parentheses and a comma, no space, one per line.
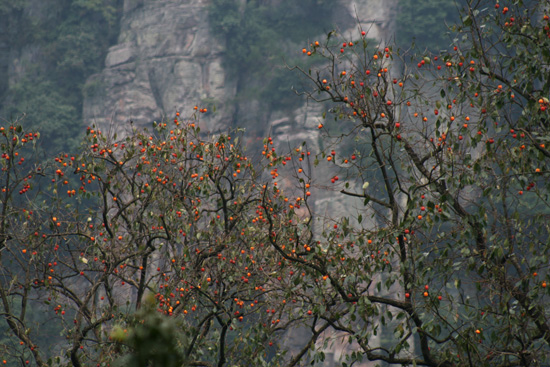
(172,248)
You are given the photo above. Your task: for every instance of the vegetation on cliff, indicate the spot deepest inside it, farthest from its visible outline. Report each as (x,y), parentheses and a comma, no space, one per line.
(55,46)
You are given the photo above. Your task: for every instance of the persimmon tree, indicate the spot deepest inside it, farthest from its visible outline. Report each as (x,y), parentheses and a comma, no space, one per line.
(165,219)
(446,264)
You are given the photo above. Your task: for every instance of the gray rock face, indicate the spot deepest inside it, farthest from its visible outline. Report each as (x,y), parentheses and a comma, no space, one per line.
(376,17)
(166,61)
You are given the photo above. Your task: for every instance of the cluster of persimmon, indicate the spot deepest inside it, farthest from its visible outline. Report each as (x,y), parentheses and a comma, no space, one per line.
(196,108)
(200,161)
(16,137)
(269,153)
(315,45)
(543,104)
(165,301)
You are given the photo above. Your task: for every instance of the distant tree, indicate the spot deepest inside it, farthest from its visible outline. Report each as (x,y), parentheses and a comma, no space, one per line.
(164,214)
(69,42)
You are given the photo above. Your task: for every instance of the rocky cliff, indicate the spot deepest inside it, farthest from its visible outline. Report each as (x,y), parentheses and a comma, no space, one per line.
(167,59)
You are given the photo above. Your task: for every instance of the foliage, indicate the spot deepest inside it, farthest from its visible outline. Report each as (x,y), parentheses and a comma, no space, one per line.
(442,262)
(11,11)
(272,26)
(44,106)
(8,6)
(454,263)
(258,35)
(152,340)
(175,216)
(426,23)
(71,38)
